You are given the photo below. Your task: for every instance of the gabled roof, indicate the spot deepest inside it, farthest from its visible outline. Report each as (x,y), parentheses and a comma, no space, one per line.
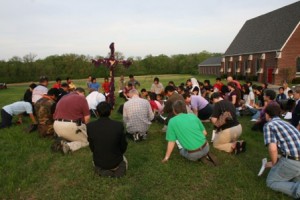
(265,33)
(214,61)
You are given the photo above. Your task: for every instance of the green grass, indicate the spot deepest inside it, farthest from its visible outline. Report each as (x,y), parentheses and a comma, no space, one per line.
(29,170)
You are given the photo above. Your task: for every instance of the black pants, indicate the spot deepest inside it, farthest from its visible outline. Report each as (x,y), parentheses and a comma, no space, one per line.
(6,119)
(118,172)
(205,112)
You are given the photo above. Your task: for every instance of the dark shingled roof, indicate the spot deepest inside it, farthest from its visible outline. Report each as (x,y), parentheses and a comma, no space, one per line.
(267,32)
(214,61)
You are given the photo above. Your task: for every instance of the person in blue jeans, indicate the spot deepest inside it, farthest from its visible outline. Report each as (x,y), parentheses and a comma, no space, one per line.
(282,137)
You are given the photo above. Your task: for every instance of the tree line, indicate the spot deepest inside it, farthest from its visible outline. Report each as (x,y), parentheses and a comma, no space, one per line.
(75,66)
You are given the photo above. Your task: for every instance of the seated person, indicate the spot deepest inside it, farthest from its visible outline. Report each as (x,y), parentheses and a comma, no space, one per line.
(137,116)
(280,96)
(157,87)
(57,85)
(144,93)
(126,91)
(72,86)
(188,132)
(94,85)
(108,143)
(17,108)
(63,90)
(269,98)
(93,99)
(227,135)
(44,110)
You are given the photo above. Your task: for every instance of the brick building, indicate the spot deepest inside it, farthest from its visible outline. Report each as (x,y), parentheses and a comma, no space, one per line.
(210,66)
(267,48)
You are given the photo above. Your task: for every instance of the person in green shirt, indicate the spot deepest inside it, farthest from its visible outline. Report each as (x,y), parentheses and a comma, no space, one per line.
(188,132)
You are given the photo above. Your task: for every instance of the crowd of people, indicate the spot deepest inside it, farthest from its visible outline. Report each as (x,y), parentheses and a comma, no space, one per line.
(64,111)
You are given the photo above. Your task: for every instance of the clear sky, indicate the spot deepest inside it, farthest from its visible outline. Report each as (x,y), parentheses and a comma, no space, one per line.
(138,27)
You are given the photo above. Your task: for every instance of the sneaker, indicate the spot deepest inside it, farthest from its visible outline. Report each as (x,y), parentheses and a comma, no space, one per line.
(65,148)
(253,120)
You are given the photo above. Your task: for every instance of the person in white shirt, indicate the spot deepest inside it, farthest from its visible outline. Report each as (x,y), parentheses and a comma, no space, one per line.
(157,87)
(286,88)
(40,90)
(93,99)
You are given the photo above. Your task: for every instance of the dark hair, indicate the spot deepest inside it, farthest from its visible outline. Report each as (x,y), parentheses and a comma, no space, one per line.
(68,78)
(129,84)
(200,84)
(152,95)
(103,109)
(218,79)
(94,79)
(53,91)
(143,90)
(58,79)
(79,89)
(270,93)
(130,76)
(156,79)
(186,95)
(249,82)
(179,107)
(224,89)
(196,88)
(207,81)
(32,85)
(169,88)
(290,92)
(246,88)
(231,84)
(266,85)
(259,88)
(181,87)
(215,95)
(273,110)
(171,82)
(280,88)
(64,85)
(254,87)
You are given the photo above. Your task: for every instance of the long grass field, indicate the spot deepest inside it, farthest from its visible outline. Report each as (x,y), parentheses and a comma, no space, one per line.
(29,170)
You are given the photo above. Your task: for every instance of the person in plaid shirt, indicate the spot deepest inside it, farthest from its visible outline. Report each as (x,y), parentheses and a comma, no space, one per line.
(137,116)
(282,137)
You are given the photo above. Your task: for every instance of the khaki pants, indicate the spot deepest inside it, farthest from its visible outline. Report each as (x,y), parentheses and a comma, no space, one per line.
(75,134)
(224,139)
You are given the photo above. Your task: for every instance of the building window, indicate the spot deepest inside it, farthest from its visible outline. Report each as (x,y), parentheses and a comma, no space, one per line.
(236,64)
(245,66)
(298,65)
(257,65)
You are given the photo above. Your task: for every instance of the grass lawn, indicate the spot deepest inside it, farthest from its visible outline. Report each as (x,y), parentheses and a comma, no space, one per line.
(29,170)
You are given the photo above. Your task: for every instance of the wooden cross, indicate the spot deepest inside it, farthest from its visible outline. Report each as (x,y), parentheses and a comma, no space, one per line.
(111,64)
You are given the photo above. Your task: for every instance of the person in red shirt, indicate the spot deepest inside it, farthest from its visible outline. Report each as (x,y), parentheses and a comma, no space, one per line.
(57,85)
(105,86)
(218,85)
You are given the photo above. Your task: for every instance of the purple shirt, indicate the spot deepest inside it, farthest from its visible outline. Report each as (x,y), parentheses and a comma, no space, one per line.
(198,102)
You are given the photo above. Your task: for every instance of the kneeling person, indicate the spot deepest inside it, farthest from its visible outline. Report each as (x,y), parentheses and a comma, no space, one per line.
(108,143)
(188,130)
